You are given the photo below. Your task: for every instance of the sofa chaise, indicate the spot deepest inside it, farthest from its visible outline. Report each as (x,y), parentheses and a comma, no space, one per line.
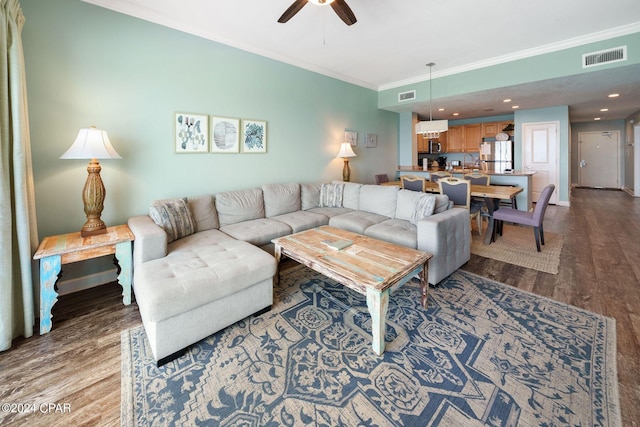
(203,263)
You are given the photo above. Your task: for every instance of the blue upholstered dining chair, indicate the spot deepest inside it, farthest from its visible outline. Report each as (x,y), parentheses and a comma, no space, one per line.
(382,178)
(415,183)
(435,176)
(459,192)
(478,178)
(533,219)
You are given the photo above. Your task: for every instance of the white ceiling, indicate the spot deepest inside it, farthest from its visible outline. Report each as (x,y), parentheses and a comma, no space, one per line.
(393,40)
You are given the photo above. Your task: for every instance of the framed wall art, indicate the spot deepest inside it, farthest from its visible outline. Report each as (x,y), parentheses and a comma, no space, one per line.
(254,136)
(351,137)
(371,140)
(225,135)
(191,133)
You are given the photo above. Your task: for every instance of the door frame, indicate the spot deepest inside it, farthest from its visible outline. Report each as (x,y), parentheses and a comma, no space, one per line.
(555,197)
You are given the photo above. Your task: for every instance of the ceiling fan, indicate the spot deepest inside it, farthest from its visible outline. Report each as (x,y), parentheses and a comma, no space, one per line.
(340,7)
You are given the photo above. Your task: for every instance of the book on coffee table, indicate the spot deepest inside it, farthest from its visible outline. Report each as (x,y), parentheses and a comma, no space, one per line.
(338,244)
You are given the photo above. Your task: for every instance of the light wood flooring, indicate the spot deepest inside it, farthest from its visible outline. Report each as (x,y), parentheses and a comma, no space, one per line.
(78,362)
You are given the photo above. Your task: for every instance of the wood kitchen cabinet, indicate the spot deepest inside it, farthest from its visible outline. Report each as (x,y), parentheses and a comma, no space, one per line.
(472,137)
(454,139)
(491,129)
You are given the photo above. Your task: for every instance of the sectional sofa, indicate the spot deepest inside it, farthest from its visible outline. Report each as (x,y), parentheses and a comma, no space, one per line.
(203,263)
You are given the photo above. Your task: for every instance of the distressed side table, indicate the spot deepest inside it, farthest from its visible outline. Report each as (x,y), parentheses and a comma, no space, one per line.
(67,248)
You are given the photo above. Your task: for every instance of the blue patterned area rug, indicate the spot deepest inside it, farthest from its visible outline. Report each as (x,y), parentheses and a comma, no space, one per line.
(482,353)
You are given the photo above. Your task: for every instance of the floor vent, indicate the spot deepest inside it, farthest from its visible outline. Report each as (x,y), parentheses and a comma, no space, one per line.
(604,57)
(406,96)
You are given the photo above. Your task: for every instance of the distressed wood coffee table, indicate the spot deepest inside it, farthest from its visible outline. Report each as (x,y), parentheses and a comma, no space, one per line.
(369,266)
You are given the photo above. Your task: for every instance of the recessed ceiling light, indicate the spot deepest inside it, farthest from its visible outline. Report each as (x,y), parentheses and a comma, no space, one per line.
(506,100)
(515,106)
(604,109)
(456,114)
(440,109)
(596,118)
(614,95)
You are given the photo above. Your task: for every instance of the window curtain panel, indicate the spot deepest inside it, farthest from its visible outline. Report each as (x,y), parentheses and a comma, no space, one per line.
(18,228)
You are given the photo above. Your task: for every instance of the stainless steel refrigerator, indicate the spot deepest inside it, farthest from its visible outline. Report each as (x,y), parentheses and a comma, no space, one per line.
(496,156)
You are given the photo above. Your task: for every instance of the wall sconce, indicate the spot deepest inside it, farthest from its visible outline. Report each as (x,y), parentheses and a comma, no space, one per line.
(92,144)
(345,152)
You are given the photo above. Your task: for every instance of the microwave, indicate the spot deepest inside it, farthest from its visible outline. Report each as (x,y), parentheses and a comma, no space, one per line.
(435,146)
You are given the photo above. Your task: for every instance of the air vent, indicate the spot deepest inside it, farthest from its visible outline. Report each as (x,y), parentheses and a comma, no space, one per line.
(604,57)
(406,96)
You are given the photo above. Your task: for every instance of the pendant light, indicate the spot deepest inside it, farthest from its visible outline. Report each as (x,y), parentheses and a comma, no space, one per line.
(431,128)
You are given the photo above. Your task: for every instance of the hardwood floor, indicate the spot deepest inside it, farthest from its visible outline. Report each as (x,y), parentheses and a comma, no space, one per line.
(77,365)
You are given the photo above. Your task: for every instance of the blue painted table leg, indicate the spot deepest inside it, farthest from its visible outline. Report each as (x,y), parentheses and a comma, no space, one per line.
(378,303)
(49,270)
(123,255)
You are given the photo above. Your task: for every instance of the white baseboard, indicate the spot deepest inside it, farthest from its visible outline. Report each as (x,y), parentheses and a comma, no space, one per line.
(85,282)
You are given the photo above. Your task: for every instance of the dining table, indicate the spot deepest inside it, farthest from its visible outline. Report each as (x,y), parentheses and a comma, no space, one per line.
(492,194)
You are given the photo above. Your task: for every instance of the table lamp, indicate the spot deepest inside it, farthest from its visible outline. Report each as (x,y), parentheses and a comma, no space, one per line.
(93,144)
(345,152)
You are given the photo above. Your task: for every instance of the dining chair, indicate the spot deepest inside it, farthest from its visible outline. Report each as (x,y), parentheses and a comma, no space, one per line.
(383,177)
(478,178)
(412,182)
(531,218)
(435,176)
(459,192)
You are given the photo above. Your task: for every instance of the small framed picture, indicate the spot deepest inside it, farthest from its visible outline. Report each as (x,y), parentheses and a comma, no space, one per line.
(371,140)
(191,133)
(225,135)
(254,136)
(351,137)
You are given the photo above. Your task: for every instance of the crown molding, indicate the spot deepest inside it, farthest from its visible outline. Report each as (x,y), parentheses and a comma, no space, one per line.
(523,54)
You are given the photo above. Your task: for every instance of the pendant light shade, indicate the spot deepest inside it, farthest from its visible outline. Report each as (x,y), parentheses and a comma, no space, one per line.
(431,128)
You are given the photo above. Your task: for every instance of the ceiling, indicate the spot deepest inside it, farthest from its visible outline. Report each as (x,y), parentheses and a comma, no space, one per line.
(393,40)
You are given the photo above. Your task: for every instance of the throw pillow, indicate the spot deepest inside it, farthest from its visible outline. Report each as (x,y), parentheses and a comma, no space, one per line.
(423,208)
(331,195)
(174,217)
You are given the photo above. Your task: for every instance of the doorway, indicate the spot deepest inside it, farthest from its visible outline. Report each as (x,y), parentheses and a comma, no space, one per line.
(540,155)
(599,159)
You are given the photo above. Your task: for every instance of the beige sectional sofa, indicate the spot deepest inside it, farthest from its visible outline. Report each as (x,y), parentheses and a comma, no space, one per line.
(203,263)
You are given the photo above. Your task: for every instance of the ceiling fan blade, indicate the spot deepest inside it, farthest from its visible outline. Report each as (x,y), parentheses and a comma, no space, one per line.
(345,13)
(292,10)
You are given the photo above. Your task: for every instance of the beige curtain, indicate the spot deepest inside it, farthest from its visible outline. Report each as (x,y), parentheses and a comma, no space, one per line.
(18,229)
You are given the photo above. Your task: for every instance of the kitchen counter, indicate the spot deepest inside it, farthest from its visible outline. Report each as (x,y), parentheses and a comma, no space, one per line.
(463,171)
(517,178)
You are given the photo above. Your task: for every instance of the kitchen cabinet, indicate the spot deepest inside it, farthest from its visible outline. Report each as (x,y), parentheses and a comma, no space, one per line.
(454,139)
(472,138)
(464,139)
(491,129)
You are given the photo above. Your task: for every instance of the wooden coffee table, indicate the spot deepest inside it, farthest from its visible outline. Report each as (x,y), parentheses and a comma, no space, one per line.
(369,266)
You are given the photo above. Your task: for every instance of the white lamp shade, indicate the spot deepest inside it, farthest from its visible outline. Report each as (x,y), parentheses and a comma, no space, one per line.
(346,150)
(91,143)
(432,126)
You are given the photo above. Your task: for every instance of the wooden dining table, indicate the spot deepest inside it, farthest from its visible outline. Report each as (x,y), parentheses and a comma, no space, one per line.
(492,195)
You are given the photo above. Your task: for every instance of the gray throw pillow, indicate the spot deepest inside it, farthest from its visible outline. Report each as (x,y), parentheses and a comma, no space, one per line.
(423,208)
(174,217)
(331,195)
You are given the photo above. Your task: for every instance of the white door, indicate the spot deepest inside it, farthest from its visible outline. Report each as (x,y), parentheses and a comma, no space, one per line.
(540,155)
(598,154)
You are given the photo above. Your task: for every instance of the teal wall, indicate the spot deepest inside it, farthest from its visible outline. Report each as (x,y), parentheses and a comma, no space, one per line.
(90,66)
